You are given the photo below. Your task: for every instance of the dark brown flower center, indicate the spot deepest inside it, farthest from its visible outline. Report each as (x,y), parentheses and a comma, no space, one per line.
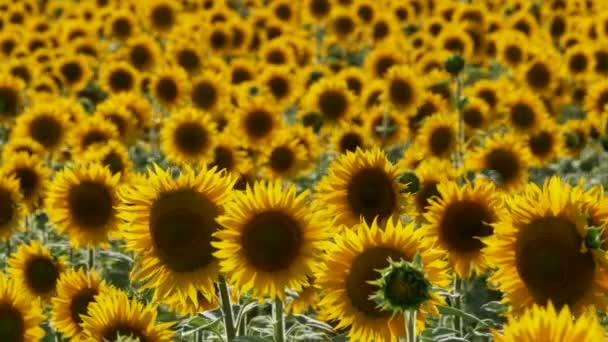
(538,76)
(80,304)
(167,90)
(12,325)
(189,60)
(258,123)
(371,193)
(333,104)
(191,138)
(204,95)
(28,181)
(9,102)
(46,130)
(72,72)
(41,274)
(401,93)
(424,196)
(282,159)
(522,116)
(505,163)
(91,204)
(462,223)
(441,140)
(163,17)
(121,80)
(350,142)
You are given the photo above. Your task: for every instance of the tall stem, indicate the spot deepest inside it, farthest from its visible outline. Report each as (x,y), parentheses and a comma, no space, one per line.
(460,134)
(279,321)
(226,310)
(91,259)
(410,321)
(458,303)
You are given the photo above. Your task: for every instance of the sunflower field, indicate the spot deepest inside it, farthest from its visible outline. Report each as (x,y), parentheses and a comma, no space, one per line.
(303,170)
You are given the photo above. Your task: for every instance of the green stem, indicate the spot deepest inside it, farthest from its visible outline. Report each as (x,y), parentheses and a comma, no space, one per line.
(227,310)
(279,321)
(385,122)
(460,133)
(457,303)
(410,321)
(91,260)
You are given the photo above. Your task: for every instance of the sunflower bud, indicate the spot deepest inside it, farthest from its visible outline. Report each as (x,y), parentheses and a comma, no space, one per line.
(572,140)
(593,239)
(411,182)
(454,64)
(402,286)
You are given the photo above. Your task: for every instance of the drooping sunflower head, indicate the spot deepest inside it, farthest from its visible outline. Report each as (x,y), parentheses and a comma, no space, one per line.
(271,240)
(541,252)
(188,136)
(258,119)
(75,291)
(505,157)
(437,137)
(114,156)
(89,132)
(458,218)
(539,323)
(113,314)
(170,87)
(81,204)
(208,92)
(47,125)
(118,77)
(524,111)
(20,315)
(169,222)
(35,270)
(11,96)
(361,185)
(353,261)
(284,158)
(331,99)
(32,175)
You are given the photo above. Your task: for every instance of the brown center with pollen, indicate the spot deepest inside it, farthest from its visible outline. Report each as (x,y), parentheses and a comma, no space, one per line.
(46,130)
(505,163)
(401,93)
(272,240)
(281,159)
(191,138)
(462,223)
(258,123)
(333,104)
(538,76)
(218,40)
(522,116)
(163,17)
(344,25)
(279,87)
(41,274)
(167,90)
(12,325)
(121,80)
(204,95)
(72,72)
(578,63)
(189,60)
(513,54)
(121,28)
(91,205)
(371,194)
(441,140)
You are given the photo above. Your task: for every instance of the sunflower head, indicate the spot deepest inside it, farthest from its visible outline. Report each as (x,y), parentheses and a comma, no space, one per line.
(47,125)
(161,15)
(114,156)
(20,315)
(170,87)
(32,175)
(11,97)
(332,99)
(118,77)
(258,119)
(12,208)
(89,132)
(437,137)
(284,157)
(208,92)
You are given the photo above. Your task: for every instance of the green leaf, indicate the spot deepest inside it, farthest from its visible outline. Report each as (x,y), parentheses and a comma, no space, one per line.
(448,310)
(251,339)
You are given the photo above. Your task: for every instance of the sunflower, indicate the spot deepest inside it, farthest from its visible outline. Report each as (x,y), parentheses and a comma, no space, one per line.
(22,144)
(430,104)
(343,25)
(381,59)
(353,261)
(600,59)
(44,85)
(454,39)
(349,138)
(579,62)
(539,250)
(116,77)
(524,111)
(280,83)
(209,92)
(241,35)
(161,15)
(20,315)
(81,204)
(142,52)
(283,158)
(475,114)
(218,38)
(87,47)
(546,323)
(316,11)
(74,71)
(386,128)
(597,99)
(46,124)
(438,136)
(332,99)
(9,40)
(258,119)
(242,71)
(93,130)
(383,28)
(511,50)
(35,270)
(403,91)
(113,155)
(113,314)
(120,117)
(12,211)
(361,185)
(188,136)
(271,240)
(490,91)
(506,157)
(139,107)
(545,144)
(429,180)
(523,22)
(121,25)
(170,87)
(23,67)
(541,73)
(169,223)
(185,53)
(355,79)
(227,154)
(32,175)
(11,97)
(75,291)
(457,218)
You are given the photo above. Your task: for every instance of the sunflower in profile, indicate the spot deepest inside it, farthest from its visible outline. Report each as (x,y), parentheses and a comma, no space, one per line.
(11,97)
(524,111)
(22,144)
(361,185)
(170,87)
(75,291)
(258,119)
(386,128)
(81,204)
(117,77)
(32,175)
(47,125)
(597,99)
(35,270)
(546,144)
(456,220)
(20,315)
(161,16)
(12,211)
(188,136)
(283,158)
(113,314)
(271,240)
(169,222)
(74,72)
(331,99)
(353,261)
(540,323)
(91,131)
(540,250)
(208,92)
(142,52)
(403,91)
(506,157)
(438,136)
(113,155)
